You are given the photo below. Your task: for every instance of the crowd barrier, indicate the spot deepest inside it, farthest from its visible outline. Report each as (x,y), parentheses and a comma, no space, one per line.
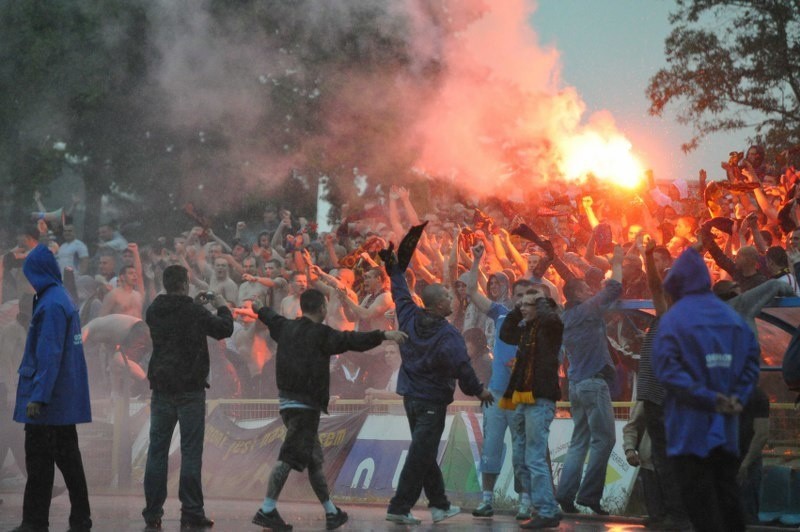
(365,445)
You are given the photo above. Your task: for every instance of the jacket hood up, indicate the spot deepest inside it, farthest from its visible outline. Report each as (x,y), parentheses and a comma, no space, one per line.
(688,275)
(504,297)
(41,269)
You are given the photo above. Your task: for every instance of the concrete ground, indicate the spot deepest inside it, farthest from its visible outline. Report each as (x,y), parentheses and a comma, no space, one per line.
(116,513)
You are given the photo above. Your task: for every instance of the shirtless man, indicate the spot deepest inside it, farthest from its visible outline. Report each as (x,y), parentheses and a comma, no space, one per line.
(371,312)
(250,288)
(276,284)
(124,299)
(290,306)
(222,283)
(339,316)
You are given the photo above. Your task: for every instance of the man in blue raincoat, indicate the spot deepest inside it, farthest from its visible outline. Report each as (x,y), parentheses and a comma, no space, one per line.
(52,397)
(707,358)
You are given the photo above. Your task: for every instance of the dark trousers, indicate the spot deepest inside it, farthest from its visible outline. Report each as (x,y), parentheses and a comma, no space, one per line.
(426,421)
(47,446)
(710,492)
(653,498)
(750,491)
(672,501)
(166,410)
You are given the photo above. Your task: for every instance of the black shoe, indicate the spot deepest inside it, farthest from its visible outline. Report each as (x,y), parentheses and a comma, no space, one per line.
(86,526)
(25,527)
(596,508)
(196,523)
(539,522)
(568,507)
(334,521)
(273,520)
(152,524)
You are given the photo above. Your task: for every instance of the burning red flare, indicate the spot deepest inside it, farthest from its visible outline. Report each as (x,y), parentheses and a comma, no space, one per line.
(607,158)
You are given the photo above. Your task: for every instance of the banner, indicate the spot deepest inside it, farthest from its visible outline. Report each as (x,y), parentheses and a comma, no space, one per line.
(620,475)
(462,456)
(372,469)
(237,460)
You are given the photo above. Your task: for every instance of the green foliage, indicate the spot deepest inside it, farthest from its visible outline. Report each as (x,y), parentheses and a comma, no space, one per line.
(733,65)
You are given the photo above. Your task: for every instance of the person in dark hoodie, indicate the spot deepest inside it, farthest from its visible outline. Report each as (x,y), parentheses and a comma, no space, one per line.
(434,357)
(178,375)
(52,397)
(707,358)
(305,346)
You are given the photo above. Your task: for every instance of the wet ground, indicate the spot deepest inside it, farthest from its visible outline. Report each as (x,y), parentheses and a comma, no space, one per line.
(113,513)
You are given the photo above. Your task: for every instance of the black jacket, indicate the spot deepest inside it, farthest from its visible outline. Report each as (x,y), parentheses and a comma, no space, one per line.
(178,327)
(302,364)
(538,344)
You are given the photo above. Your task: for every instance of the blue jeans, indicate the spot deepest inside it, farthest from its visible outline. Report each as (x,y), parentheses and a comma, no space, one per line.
(426,421)
(495,422)
(538,417)
(166,409)
(593,433)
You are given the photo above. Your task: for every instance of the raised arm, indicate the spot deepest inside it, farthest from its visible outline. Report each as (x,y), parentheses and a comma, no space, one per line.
(587,203)
(512,251)
(591,258)
(482,302)
(327,284)
(722,260)
(137,265)
(654,282)
(330,247)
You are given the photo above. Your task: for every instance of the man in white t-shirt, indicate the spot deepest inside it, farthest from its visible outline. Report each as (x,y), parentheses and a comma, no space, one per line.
(73,253)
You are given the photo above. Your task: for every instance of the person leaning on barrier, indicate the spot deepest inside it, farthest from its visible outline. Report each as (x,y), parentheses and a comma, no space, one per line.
(305,346)
(178,374)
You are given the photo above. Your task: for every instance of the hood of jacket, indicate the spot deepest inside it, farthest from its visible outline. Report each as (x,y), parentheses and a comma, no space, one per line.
(505,288)
(427,325)
(688,275)
(41,269)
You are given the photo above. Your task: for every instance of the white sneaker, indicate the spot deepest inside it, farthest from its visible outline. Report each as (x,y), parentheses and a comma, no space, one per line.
(403,519)
(440,515)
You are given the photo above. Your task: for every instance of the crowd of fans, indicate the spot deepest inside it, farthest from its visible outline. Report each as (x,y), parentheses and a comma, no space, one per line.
(747,223)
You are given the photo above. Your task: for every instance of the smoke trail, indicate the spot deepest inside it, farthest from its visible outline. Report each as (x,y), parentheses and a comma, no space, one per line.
(453,89)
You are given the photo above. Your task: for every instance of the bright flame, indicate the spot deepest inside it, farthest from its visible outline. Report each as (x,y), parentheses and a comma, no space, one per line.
(608,159)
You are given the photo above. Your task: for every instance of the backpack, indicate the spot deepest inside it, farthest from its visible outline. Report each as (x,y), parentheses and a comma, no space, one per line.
(791,363)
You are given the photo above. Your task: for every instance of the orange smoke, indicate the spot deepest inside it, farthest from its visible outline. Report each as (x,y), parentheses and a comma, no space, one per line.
(504,120)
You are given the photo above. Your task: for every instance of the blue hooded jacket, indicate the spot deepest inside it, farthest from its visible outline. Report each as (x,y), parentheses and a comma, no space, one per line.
(53,367)
(434,356)
(703,347)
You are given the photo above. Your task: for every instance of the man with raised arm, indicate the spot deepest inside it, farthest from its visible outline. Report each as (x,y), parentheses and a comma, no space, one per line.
(434,358)
(591,372)
(495,419)
(305,346)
